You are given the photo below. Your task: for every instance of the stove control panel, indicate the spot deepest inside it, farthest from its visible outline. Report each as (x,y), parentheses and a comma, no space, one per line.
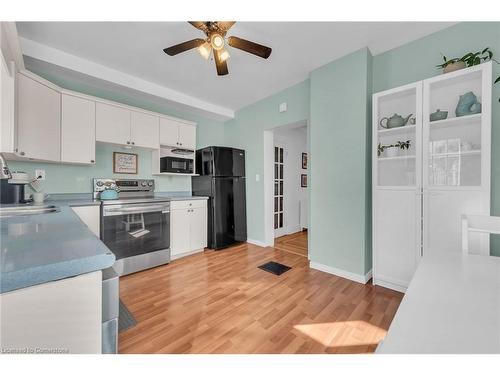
(139,186)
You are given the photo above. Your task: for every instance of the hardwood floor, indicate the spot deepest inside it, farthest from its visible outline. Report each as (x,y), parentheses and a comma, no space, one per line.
(294,243)
(220,302)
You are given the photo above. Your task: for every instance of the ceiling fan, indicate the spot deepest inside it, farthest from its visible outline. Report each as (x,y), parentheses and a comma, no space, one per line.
(215,41)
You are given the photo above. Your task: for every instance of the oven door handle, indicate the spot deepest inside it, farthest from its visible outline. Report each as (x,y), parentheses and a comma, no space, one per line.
(135,210)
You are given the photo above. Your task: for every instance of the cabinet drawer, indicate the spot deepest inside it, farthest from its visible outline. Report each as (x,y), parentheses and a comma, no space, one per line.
(179,205)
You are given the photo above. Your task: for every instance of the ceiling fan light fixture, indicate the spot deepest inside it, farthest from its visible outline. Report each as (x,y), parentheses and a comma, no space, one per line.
(205,50)
(217,41)
(224,55)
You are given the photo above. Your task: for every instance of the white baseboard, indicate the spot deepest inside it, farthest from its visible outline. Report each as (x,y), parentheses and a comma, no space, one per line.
(363,279)
(389,285)
(293,229)
(258,243)
(178,256)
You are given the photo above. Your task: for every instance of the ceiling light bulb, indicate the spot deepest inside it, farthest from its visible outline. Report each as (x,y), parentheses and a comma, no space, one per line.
(224,55)
(205,50)
(217,41)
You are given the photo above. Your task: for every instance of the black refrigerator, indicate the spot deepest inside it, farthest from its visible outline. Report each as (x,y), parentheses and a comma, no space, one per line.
(222,178)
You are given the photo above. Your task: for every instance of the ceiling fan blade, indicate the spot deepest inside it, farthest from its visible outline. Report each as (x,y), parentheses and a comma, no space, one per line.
(200,25)
(225,25)
(219,64)
(250,47)
(182,47)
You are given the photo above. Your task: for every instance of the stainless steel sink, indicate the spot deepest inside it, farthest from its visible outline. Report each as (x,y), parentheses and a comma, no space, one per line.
(27,210)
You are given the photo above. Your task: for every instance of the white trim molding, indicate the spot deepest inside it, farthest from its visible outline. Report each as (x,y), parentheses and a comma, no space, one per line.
(258,243)
(363,279)
(81,65)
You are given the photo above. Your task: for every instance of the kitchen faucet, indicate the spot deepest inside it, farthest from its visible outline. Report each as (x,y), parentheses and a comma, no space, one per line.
(5,172)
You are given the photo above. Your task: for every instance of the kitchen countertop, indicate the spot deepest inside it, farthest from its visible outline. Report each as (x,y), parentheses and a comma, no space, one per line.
(36,249)
(40,248)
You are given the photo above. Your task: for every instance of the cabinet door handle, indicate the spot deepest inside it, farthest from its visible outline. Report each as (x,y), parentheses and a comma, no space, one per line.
(22,153)
(92,161)
(133,143)
(128,142)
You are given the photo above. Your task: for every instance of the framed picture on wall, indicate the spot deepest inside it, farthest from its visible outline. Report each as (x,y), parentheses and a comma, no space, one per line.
(303,180)
(125,163)
(304,160)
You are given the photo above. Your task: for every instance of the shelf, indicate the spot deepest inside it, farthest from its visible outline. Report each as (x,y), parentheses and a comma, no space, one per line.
(463,153)
(453,121)
(402,157)
(401,129)
(174,174)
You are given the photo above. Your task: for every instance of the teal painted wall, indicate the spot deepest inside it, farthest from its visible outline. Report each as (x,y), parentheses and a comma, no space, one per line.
(78,179)
(246,131)
(65,178)
(416,61)
(340,183)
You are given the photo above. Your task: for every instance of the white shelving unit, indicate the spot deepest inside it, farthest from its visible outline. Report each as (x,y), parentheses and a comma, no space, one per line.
(420,194)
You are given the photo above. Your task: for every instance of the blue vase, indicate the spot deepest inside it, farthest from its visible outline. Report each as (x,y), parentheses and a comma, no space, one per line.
(467,105)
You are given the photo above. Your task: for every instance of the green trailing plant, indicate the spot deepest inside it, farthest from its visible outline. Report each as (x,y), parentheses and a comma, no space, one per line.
(470,59)
(403,145)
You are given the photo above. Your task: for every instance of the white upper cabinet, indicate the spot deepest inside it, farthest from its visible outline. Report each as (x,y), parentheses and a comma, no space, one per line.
(77,130)
(58,125)
(122,126)
(187,136)
(112,124)
(39,120)
(144,130)
(7,109)
(177,134)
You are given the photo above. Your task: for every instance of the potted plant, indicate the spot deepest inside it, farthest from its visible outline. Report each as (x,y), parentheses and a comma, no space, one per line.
(392,150)
(467,60)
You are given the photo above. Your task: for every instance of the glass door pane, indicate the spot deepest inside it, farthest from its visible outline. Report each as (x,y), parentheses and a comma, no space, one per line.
(453,140)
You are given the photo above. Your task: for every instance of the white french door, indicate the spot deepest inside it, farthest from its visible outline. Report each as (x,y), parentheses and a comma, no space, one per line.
(279,171)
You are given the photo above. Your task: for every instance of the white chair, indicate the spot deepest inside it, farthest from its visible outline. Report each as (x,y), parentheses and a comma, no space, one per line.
(478,224)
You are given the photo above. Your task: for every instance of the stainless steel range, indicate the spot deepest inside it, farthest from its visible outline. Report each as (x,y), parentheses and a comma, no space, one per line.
(136,226)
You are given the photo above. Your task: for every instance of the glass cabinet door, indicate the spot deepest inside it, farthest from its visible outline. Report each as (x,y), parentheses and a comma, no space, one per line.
(452,142)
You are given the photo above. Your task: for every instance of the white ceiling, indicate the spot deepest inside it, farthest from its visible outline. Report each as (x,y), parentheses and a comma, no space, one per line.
(135,48)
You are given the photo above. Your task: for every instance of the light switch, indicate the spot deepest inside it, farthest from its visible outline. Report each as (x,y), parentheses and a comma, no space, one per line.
(283,107)
(257,177)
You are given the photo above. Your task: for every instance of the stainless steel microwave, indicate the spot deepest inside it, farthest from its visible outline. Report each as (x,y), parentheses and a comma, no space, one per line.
(172,164)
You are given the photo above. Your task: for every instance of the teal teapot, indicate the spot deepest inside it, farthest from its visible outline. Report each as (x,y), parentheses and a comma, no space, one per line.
(395,121)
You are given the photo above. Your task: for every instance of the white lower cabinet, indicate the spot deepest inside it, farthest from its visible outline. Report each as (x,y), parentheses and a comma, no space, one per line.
(63,316)
(188,227)
(90,215)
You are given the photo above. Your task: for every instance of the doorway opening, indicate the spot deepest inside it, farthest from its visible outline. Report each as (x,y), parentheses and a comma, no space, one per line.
(287,151)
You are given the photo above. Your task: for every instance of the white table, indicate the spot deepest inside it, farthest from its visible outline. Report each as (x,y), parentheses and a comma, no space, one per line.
(451,306)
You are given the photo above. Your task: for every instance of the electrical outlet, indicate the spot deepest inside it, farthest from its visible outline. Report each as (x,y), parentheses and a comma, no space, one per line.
(40,174)
(283,107)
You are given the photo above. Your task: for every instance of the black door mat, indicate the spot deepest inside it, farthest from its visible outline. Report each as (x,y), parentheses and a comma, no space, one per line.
(275,268)
(125,318)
